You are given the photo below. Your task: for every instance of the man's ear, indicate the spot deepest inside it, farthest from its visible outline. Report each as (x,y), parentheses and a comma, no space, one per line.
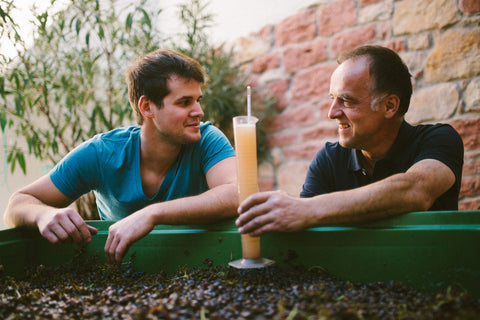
(145,107)
(392,103)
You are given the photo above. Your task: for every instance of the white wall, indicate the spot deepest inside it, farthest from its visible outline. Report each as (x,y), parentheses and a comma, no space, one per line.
(233,19)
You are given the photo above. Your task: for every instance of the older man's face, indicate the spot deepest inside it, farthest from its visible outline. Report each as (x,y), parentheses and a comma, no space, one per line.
(358,124)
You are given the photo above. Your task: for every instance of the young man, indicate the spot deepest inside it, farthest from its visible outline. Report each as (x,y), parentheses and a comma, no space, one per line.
(381,166)
(171,169)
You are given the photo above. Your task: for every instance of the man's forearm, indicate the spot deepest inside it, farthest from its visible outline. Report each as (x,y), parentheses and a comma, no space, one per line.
(415,190)
(213,205)
(363,204)
(22,210)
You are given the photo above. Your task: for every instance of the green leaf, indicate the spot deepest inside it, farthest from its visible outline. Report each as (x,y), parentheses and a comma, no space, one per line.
(128,22)
(101,32)
(78,25)
(21,161)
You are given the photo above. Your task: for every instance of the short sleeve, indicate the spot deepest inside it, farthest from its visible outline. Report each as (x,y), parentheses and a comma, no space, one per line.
(214,147)
(78,172)
(443,143)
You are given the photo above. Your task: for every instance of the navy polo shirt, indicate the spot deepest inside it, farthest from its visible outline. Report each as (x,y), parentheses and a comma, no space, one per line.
(335,168)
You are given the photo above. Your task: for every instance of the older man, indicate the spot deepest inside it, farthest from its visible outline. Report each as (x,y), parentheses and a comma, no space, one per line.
(381,166)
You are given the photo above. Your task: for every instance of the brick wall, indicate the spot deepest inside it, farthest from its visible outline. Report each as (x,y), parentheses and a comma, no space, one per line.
(293,60)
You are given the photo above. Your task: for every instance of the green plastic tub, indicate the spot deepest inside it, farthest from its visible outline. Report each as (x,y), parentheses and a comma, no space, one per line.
(427,250)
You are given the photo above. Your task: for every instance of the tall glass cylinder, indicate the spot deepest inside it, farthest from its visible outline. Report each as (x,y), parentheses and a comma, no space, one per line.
(244,130)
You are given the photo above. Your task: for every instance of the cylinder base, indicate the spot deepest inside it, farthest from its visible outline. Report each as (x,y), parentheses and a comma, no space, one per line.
(251,263)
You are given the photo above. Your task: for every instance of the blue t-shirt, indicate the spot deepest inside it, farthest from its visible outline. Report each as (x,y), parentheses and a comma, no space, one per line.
(336,168)
(109,164)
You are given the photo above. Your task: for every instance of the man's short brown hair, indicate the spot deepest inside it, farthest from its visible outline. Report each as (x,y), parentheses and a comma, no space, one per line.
(149,74)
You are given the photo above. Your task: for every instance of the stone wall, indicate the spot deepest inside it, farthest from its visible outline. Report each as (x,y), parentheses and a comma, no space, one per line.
(293,60)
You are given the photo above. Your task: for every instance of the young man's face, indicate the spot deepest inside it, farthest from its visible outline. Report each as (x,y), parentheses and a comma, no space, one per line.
(358,124)
(178,121)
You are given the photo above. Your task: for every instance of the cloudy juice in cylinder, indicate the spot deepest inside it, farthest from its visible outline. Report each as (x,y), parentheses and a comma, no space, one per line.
(246,152)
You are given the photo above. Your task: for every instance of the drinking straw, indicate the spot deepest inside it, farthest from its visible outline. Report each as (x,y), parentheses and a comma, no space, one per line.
(249,101)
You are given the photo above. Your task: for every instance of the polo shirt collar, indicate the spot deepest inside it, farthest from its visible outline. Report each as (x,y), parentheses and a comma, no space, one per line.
(398,145)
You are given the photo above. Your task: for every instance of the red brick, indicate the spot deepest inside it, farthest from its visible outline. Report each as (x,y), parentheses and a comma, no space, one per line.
(278,90)
(304,151)
(397,45)
(252,80)
(282,138)
(352,38)
(297,28)
(312,84)
(470,7)
(324,107)
(469,130)
(295,117)
(384,31)
(364,3)
(300,57)
(266,33)
(470,187)
(471,167)
(266,184)
(336,16)
(266,62)
(470,204)
(321,131)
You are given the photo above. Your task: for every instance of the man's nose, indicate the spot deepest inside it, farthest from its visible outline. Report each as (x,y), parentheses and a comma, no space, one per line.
(197,110)
(335,111)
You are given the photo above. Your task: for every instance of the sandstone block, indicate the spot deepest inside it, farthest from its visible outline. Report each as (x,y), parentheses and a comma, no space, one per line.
(266,171)
(414,16)
(433,103)
(291,176)
(419,42)
(415,60)
(380,11)
(472,96)
(456,55)
(248,48)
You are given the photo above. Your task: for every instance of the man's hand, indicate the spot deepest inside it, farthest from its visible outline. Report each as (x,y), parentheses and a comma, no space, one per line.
(271,211)
(123,233)
(65,225)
